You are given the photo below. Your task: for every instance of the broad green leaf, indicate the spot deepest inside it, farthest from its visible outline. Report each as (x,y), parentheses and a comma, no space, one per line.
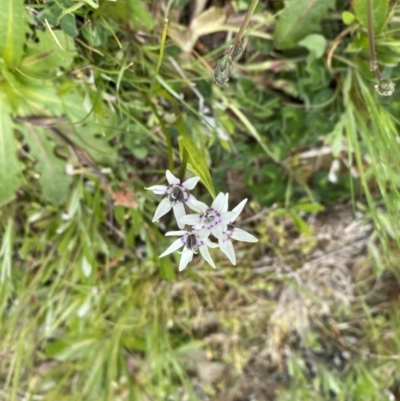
(54,181)
(12,31)
(89,129)
(196,160)
(68,25)
(379,12)
(348,18)
(46,55)
(299,19)
(38,99)
(139,15)
(10,167)
(316,44)
(132,11)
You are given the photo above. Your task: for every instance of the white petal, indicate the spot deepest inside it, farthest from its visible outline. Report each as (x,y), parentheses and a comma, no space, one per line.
(242,235)
(217,231)
(219,202)
(187,256)
(179,212)
(203,233)
(225,208)
(173,247)
(163,208)
(227,248)
(171,178)
(227,217)
(191,219)
(191,183)
(158,189)
(210,243)
(238,209)
(206,255)
(174,233)
(196,205)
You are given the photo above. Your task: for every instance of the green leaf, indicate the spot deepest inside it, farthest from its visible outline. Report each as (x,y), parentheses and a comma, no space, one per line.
(299,19)
(309,207)
(315,44)
(301,226)
(379,12)
(12,31)
(348,18)
(46,56)
(196,160)
(139,15)
(132,11)
(68,25)
(54,181)
(10,167)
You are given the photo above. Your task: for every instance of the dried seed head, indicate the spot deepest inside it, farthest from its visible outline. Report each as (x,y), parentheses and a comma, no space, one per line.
(176,195)
(191,242)
(385,87)
(223,70)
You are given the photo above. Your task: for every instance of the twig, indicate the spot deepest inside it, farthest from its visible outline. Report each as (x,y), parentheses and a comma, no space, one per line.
(243,27)
(371,40)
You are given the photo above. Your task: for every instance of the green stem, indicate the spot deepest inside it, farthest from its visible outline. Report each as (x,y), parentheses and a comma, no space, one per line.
(160,58)
(243,27)
(371,40)
(184,162)
(164,129)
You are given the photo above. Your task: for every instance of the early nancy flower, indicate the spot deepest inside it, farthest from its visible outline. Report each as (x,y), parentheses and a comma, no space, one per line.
(176,196)
(210,219)
(231,231)
(192,241)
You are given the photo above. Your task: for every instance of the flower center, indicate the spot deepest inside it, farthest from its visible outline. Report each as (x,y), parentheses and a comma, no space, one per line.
(176,195)
(209,217)
(191,242)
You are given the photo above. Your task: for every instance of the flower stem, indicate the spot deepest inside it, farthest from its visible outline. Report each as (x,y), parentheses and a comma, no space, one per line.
(371,40)
(160,58)
(243,27)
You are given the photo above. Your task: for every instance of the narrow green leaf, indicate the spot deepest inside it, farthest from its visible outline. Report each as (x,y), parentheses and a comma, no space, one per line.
(12,31)
(197,162)
(301,226)
(379,12)
(299,19)
(10,167)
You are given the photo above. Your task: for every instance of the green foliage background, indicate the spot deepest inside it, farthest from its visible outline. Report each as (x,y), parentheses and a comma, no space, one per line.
(89,91)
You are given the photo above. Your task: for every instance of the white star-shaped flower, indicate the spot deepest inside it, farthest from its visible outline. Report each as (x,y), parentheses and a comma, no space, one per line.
(225,243)
(176,196)
(210,219)
(192,242)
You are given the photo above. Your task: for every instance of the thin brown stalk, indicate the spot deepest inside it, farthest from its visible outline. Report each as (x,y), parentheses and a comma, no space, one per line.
(371,40)
(243,27)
